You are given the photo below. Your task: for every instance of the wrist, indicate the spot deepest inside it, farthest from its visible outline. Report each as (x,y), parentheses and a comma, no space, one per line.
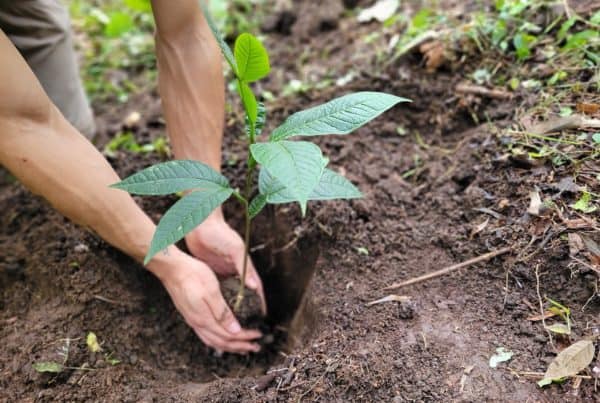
(164,265)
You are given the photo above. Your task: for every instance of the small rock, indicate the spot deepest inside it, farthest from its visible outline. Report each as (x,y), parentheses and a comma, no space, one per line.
(132,120)
(133,359)
(81,248)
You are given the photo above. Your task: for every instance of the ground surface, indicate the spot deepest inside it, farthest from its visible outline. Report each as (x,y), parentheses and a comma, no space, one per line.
(58,282)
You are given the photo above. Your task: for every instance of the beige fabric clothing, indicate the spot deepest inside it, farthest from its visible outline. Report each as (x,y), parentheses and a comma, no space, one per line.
(41,31)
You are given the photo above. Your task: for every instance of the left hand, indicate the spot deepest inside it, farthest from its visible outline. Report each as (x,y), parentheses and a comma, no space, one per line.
(222,249)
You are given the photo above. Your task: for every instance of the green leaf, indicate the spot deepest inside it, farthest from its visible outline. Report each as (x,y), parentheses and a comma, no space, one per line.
(564,28)
(596,138)
(257,204)
(92,342)
(50,366)
(225,49)
(251,57)
(297,164)
(172,177)
(584,203)
(331,186)
(118,24)
(339,116)
(523,44)
(559,328)
(581,39)
(184,216)
(249,101)
(261,119)
(142,6)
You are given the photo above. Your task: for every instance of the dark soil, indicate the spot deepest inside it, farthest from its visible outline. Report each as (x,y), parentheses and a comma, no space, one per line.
(59,282)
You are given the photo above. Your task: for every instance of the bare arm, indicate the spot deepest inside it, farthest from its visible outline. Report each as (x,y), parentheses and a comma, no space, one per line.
(192,89)
(52,159)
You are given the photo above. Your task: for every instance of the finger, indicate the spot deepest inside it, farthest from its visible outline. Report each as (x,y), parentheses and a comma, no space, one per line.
(224,323)
(253,280)
(216,342)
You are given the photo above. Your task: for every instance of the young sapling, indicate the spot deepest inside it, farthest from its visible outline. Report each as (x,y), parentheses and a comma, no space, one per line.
(290,171)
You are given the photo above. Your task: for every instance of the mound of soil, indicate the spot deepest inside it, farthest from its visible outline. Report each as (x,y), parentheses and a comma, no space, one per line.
(58,282)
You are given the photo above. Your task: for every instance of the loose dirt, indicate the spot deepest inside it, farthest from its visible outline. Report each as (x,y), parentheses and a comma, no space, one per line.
(59,282)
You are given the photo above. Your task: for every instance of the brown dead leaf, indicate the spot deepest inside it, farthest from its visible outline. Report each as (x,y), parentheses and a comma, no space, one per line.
(563,123)
(587,108)
(503,203)
(593,249)
(578,223)
(535,203)
(571,361)
(434,54)
(478,228)
(575,244)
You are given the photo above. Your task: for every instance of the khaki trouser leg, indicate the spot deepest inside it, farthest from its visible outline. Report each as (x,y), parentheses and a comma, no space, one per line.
(41,31)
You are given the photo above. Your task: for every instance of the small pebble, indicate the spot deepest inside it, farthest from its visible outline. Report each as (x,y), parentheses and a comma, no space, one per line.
(81,248)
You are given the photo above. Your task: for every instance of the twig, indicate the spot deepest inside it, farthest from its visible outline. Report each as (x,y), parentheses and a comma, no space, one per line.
(449,269)
(495,93)
(564,123)
(542,312)
(589,266)
(567,8)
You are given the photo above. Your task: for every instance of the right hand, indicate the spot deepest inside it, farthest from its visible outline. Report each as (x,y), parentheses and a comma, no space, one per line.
(195,291)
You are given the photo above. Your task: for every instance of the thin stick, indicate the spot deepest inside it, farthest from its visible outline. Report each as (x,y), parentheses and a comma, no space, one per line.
(539,295)
(495,93)
(449,269)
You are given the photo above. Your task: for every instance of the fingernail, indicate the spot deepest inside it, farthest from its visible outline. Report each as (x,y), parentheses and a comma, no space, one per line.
(234,327)
(256,348)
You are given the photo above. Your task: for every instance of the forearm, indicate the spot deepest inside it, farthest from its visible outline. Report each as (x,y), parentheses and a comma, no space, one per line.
(191,82)
(52,159)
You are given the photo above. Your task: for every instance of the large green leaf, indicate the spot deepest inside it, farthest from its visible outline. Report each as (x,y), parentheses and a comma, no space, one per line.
(339,116)
(249,101)
(251,57)
(184,216)
(331,186)
(225,49)
(172,177)
(297,164)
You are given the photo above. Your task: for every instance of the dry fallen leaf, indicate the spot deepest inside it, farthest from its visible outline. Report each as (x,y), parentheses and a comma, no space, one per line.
(479,228)
(575,244)
(578,223)
(390,298)
(535,203)
(587,108)
(434,55)
(569,362)
(593,249)
(564,123)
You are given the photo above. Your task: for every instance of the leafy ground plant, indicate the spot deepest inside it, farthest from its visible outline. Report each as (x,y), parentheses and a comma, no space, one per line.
(290,171)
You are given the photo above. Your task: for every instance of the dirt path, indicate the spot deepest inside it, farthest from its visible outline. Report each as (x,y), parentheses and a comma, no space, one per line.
(57,282)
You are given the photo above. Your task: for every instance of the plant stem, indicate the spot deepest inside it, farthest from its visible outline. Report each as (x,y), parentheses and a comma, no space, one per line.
(248,221)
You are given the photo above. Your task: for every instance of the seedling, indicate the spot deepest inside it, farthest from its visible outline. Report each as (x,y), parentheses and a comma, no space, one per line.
(290,171)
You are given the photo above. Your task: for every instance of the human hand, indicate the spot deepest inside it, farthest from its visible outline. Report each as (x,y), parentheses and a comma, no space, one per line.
(222,249)
(195,291)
